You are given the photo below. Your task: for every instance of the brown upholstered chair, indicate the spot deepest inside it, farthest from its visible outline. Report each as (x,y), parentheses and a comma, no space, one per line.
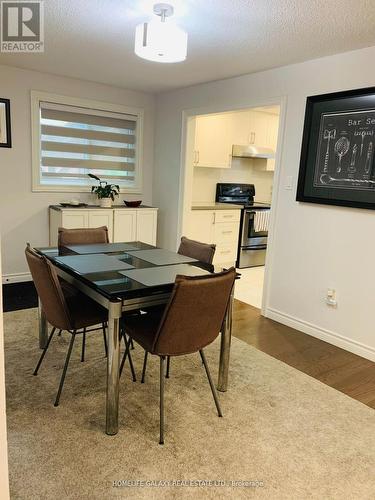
(82,236)
(72,313)
(79,236)
(204,252)
(191,321)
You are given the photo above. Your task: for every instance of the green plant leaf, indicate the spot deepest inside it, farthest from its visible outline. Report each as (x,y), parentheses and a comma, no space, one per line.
(94,177)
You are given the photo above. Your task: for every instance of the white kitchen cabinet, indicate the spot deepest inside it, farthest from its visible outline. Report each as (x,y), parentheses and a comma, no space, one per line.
(123,224)
(98,218)
(250,127)
(216,134)
(146,226)
(241,128)
(213,145)
(226,233)
(201,225)
(220,227)
(255,127)
(259,128)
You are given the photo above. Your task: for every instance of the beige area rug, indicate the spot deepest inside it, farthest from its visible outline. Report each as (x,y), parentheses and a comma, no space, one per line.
(298,437)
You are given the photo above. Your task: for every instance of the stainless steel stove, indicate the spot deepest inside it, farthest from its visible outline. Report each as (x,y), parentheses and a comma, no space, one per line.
(252,244)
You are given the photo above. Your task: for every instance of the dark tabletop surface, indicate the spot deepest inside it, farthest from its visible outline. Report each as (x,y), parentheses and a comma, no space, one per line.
(112,283)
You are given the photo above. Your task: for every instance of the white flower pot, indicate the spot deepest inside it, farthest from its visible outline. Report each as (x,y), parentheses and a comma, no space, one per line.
(105,202)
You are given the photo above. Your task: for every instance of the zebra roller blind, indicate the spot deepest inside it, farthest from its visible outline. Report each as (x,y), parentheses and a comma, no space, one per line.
(75,141)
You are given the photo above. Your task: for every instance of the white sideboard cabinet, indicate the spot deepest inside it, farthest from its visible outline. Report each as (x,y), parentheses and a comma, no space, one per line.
(124,224)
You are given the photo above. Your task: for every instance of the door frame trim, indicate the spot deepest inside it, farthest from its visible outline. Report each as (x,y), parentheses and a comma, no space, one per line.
(186,173)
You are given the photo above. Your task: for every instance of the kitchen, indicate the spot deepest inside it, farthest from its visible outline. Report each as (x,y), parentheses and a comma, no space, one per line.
(230,158)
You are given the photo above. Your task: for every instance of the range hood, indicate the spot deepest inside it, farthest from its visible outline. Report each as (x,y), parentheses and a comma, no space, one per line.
(252,151)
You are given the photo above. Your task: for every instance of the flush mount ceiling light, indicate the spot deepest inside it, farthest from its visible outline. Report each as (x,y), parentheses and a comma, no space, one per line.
(161,40)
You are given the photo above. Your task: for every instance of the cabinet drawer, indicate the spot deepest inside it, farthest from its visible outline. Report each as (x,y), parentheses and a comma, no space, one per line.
(225,254)
(227,233)
(227,215)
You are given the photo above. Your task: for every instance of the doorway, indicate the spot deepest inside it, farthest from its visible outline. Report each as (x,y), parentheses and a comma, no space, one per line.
(210,160)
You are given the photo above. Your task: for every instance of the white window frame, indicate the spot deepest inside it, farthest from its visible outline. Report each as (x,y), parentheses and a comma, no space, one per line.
(38,97)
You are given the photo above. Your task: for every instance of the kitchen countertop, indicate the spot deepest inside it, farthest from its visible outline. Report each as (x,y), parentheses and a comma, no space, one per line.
(89,207)
(216,206)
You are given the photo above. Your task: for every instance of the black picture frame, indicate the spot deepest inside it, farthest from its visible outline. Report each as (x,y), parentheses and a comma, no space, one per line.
(5,128)
(338,150)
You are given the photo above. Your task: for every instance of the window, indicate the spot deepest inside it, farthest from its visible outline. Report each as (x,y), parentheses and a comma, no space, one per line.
(74,137)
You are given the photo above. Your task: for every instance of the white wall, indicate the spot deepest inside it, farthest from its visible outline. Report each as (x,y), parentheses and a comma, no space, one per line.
(4,483)
(315,246)
(247,171)
(24,214)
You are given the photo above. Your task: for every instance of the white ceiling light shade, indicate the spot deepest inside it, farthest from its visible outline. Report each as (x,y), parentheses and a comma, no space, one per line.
(161,40)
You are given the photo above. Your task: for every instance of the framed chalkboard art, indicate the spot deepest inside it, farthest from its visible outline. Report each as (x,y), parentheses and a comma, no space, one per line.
(338,150)
(5,138)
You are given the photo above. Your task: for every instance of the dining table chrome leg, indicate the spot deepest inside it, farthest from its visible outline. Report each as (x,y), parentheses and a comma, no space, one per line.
(226,336)
(113,365)
(43,326)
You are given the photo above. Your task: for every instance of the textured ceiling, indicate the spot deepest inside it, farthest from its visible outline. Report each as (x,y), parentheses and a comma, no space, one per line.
(93,39)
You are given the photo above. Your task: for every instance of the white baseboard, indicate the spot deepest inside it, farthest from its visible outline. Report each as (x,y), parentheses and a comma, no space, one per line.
(322,334)
(16,278)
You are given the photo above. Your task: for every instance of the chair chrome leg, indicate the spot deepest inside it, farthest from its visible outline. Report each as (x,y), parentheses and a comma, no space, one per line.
(168,365)
(44,352)
(105,339)
(127,354)
(162,360)
(213,390)
(83,345)
(144,368)
(65,369)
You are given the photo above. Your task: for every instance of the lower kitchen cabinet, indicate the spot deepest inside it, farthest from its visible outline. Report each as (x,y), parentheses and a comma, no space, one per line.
(123,224)
(220,227)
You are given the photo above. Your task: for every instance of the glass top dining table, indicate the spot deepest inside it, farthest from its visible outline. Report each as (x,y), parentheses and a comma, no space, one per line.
(124,277)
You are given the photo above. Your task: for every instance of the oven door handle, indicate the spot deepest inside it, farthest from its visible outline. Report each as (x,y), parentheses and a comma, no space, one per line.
(255,210)
(255,247)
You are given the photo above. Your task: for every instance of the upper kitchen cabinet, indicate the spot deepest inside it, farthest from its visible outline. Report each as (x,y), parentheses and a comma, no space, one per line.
(258,134)
(216,134)
(251,127)
(213,147)
(259,128)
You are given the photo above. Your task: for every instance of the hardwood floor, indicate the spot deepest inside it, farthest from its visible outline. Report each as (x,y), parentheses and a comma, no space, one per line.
(342,370)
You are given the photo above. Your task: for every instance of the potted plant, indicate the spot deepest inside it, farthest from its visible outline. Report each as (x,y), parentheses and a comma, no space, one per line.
(105,192)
